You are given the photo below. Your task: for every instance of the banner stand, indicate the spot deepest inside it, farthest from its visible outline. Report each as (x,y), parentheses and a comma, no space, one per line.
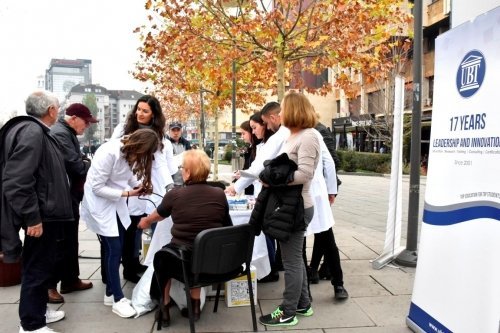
(392,246)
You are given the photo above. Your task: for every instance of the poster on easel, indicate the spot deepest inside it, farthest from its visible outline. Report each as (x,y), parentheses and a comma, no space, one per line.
(457,280)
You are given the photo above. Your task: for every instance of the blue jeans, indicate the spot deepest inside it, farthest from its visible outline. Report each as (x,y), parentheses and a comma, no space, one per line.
(112,254)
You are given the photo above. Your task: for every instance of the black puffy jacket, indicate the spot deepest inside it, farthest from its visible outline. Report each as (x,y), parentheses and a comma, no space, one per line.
(279,208)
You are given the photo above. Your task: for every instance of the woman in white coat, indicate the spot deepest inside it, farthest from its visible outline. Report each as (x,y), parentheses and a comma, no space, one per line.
(147,113)
(111,180)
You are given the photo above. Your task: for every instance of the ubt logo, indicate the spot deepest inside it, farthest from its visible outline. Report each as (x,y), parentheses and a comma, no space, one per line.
(470,74)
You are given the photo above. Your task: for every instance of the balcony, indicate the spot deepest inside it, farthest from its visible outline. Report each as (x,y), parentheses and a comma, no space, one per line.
(437,11)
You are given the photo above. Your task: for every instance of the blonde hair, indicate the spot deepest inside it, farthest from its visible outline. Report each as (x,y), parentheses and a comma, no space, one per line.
(298,112)
(198,164)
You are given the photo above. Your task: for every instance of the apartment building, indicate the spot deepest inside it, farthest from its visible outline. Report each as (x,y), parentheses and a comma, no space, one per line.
(64,74)
(113,105)
(357,118)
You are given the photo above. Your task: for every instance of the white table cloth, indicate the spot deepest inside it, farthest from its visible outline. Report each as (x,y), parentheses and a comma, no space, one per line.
(260,258)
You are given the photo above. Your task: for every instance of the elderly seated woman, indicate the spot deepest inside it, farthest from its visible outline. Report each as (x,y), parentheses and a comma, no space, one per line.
(195,207)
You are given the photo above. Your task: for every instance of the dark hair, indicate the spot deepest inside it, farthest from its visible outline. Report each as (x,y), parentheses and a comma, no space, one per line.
(138,150)
(270,107)
(157,122)
(257,117)
(254,141)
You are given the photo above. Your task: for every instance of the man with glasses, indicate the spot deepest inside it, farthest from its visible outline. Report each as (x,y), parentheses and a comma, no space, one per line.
(34,194)
(77,119)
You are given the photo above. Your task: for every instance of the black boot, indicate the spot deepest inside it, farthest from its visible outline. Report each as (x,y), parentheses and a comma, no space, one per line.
(138,267)
(196,309)
(313,275)
(163,316)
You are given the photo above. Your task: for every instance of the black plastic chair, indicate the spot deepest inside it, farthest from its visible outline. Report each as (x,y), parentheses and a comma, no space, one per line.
(218,256)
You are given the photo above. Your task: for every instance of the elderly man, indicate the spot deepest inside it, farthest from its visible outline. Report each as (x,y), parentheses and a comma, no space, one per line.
(77,119)
(34,196)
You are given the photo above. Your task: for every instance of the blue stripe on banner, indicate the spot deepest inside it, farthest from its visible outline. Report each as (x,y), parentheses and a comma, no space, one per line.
(425,321)
(460,215)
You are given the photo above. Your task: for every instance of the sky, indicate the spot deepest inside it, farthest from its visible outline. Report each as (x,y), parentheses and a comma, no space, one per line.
(32,32)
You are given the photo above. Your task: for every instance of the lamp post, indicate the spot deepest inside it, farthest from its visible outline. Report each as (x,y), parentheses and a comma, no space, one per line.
(409,256)
(202,120)
(233,100)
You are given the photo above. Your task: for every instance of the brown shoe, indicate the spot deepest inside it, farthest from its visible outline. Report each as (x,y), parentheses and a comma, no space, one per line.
(77,286)
(55,297)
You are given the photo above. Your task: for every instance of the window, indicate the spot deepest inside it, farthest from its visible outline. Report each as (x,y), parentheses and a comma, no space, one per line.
(355,106)
(376,102)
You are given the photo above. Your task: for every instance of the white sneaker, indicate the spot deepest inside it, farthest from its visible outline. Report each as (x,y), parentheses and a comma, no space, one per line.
(109,300)
(51,316)
(40,330)
(123,308)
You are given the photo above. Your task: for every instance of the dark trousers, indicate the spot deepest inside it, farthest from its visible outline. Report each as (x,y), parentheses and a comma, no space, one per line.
(166,267)
(130,254)
(271,250)
(68,269)
(324,244)
(40,256)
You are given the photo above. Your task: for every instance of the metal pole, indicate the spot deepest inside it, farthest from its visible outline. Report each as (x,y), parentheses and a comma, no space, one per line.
(202,121)
(409,256)
(233,127)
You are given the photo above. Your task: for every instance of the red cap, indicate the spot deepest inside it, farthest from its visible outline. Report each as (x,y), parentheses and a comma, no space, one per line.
(81,111)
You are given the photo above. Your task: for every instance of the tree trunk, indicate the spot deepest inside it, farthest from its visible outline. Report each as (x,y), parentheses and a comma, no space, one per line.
(216,147)
(280,78)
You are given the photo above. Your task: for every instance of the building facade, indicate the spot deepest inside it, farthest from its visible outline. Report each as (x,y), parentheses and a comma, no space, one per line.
(121,102)
(64,74)
(113,106)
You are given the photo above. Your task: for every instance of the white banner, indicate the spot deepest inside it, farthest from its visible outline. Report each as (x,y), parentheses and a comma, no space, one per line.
(392,243)
(457,282)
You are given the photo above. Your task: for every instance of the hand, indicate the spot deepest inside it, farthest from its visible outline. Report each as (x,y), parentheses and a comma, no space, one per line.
(144,223)
(236,174)
(331,198)
(136,191)
(230,190)
(35,231)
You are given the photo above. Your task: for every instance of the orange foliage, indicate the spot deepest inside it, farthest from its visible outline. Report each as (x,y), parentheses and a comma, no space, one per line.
(190,45)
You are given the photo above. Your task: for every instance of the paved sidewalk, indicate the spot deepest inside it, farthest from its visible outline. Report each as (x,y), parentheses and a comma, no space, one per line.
(379,299)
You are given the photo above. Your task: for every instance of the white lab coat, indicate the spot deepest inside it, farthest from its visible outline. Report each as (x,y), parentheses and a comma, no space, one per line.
(108,176)
(323,183)
(268,151)
(163,167)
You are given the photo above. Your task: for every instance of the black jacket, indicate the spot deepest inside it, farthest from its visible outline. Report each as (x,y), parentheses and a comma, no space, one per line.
(279,208)
(76,166)
(330,143)
(34,184)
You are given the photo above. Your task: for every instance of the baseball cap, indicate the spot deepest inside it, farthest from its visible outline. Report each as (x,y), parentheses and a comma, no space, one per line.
(175,124)
(81,111)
